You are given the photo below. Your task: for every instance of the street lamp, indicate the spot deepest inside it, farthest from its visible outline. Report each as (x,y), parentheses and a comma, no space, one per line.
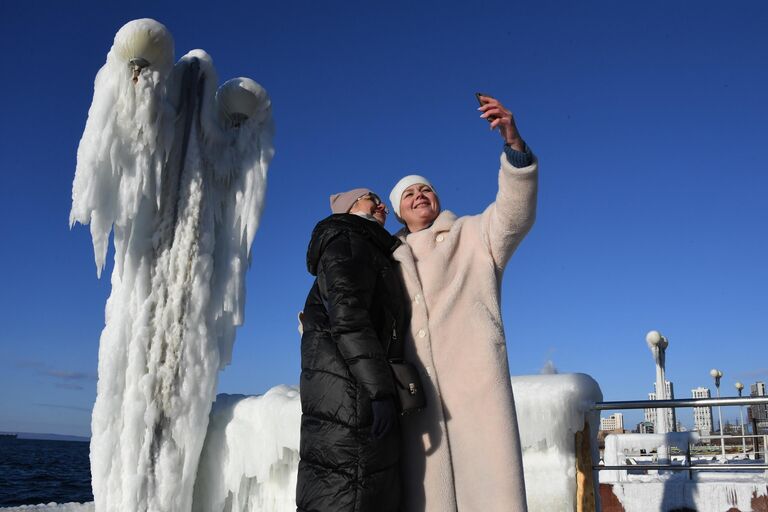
(241,99)
(717,375)
(658,345)
(740,388)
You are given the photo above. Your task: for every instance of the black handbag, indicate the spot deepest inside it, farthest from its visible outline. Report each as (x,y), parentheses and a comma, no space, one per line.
(410,392)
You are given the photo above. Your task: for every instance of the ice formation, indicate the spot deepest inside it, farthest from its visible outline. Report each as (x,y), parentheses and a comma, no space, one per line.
(697,494)
(550,410)
(177,172)
(658,345)
(251,453)
(667,490)
(250,457)
(619,446)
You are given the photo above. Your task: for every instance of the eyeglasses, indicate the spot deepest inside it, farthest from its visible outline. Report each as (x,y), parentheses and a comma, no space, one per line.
(375,199)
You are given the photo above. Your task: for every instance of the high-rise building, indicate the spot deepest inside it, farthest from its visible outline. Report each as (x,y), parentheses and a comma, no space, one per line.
(650,414)
(702,416)
(613,422)
(645,427)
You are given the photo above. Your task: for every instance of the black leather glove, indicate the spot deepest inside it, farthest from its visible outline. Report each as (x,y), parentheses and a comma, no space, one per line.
(384,417)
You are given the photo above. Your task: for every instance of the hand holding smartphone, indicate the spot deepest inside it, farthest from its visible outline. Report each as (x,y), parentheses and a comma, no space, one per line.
(501,118)
(479,96)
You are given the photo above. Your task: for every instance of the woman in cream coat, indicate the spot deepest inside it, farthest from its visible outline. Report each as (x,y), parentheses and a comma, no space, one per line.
(463,451)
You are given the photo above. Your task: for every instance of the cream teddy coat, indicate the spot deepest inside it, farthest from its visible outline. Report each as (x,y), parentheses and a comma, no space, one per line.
(462,453)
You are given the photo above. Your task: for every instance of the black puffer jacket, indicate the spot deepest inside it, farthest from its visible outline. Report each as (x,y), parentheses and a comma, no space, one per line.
(353,315)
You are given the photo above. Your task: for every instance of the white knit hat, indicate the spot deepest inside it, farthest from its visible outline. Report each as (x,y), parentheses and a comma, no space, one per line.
(397,191)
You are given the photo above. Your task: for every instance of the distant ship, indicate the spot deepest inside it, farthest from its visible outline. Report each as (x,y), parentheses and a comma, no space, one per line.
(8,435)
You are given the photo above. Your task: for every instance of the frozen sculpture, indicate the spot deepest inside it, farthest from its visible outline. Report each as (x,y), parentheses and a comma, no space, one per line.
(176,170)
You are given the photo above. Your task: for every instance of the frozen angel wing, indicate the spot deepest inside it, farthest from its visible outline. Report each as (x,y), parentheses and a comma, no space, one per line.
(123,147)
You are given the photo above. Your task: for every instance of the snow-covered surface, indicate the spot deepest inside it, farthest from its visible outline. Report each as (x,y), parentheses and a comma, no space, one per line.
(667,490)
(619,446)
(53,507)
(550,410)
(163,165)
(250,457)
(679,493)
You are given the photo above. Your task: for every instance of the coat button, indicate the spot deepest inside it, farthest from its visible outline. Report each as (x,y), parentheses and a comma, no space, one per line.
(440,238)
(428,369)
(422,333)
(417,298)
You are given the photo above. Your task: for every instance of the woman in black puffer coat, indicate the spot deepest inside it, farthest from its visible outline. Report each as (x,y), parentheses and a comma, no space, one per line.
(352,322)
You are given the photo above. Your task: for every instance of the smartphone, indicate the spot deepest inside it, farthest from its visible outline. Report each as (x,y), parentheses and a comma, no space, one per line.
(477,95)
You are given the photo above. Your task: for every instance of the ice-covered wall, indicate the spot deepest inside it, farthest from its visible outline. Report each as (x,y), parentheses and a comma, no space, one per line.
(678,493)
(251,453)
(250,459)
(550,410)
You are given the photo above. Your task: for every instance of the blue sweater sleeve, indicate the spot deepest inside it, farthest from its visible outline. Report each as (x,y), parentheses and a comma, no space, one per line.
(518,158)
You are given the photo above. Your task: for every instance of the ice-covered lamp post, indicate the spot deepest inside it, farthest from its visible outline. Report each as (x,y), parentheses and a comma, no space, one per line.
(174,174)
(658,345)
(717,375)
(740,388)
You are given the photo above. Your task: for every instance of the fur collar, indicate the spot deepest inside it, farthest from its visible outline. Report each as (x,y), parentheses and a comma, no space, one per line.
(403,253)
(443,222)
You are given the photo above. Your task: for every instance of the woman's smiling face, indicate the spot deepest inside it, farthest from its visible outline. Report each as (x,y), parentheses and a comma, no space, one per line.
(419,206)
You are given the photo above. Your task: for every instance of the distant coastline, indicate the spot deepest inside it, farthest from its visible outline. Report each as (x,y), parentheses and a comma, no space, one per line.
(34,436)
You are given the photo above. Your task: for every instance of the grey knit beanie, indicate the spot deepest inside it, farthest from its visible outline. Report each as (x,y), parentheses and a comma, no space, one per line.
(343,201)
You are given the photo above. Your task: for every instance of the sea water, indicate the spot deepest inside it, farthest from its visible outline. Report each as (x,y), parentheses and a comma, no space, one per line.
(35,471)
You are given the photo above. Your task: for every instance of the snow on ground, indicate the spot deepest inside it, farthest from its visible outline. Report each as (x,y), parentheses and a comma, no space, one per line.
(678,493)
(53,507)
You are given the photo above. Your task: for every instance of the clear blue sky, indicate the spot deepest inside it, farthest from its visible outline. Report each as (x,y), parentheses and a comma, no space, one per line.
(649,119)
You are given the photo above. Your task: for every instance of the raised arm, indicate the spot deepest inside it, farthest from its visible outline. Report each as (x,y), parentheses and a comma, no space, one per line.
(511,216)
